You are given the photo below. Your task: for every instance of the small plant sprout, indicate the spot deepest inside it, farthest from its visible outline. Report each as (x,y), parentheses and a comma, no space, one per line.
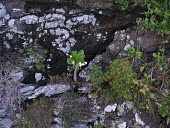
(77,60)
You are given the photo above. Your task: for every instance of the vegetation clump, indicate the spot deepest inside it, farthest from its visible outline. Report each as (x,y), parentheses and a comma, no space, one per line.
(156,17)
(118,79)
(38,55)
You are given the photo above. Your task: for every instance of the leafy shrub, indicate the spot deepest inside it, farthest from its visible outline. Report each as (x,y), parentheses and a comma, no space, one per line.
(117,80)
(143,96)
(164,110)
(134,54)
(157,15)
(96,75)
(39,55)
(120,77)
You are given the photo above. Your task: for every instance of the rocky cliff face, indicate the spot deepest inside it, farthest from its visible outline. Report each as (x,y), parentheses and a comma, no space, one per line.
(60,26)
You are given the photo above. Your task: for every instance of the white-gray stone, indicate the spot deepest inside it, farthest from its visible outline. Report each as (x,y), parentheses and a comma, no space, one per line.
(2,11)
(16,74)
(6,123)
(124,107)
(38,76)
(26,89)
(47,90)
(56,126)
(6,44)
(2,112)
(11,23)
(138,120)
(30,19)
(147,126)
(58,121)
(122,125)
(110,108)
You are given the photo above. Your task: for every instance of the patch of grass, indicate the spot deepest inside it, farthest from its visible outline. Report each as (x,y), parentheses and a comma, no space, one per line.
(117,82)
(38,114)
(120,78)
(120,82)
(164,109)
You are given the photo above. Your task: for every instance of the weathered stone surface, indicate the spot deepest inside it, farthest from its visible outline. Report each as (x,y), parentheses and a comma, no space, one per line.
(60,29)
(146,41)
(48,90)
(6,123)
(124,108)
(95,4)
(2,113)
(117,45)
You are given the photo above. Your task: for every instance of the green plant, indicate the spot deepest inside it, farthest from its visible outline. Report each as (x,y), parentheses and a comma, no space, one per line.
(120,77)
(134,54)
(123,4)
(160,58)
(144,97)
(68,120)
(143,67)
(96,75)
(77,60)
(27,124)
(38,55)
(45,106)
(164,110)
(156,17)
(38,113)
(161,63)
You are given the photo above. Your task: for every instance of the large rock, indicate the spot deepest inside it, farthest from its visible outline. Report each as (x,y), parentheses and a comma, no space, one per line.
(29,92)
(146,41)
(6,123)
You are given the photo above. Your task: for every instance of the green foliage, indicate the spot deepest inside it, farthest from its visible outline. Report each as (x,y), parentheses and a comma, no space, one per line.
(157,16)
(38,114)
(76,58)
(160,58)
(142,67)
(119,82)
(165,102)
(68,120)
(163,111)
(120,77)
(145,97)
(134,54)
(123,4)
(96,75)
(27,124)
(38,55)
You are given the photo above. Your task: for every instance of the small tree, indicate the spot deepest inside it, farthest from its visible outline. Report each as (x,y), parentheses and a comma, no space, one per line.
(77,60)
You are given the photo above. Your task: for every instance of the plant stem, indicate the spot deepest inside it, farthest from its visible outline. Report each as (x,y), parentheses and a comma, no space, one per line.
(75,75)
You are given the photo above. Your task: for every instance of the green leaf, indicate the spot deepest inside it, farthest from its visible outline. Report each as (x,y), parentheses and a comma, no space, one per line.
(162,111)
(73,53)
(70,60)
(154,55)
